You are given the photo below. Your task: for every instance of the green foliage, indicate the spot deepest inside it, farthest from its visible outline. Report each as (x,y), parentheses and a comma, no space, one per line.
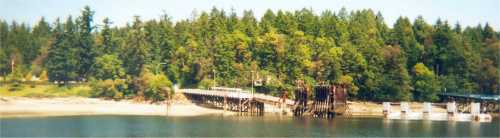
(43,76)
(85,42)
(206,83)
(17,75)
(155,87)
(159,88)
(113,89)
(348,81)
(61,63)
(28,76)
(108,67)
(298,62)
(16,86)
(411,60)
(425,83)
(403,36)
(136,49)
(41,91)
(396,84)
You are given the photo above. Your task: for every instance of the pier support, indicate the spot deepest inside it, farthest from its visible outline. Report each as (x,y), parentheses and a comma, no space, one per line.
(386,109)
(427,110)
(475,110)
(244,106)
(300,101)
(329,100)
(405,109)
(451,109)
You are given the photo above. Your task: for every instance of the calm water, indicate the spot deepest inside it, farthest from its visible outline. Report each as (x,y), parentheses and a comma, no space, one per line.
(102,126)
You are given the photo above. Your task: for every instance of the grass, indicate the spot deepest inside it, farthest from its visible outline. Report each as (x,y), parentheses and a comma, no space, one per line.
(45,90)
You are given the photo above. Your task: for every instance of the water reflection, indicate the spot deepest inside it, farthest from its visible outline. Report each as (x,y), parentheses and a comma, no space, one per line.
(387,123)
(427,127)
(475,129)
(451,131)
(216,126)
(405,126)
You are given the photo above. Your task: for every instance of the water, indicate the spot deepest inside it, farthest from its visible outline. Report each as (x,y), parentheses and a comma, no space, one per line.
(129,126)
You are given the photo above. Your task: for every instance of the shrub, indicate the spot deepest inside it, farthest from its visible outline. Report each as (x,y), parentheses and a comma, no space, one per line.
(43,76)
(206,83)
(16,76)
(154,87)
(108,67)
(348,81)
(83,91)
(28,76)
(16,86)
(108,88)
(38,95)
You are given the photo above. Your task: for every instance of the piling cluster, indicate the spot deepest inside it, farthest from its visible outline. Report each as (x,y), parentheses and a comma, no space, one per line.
(329,100)
(300,106)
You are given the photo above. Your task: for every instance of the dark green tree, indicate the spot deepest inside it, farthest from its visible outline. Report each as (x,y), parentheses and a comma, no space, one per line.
(86,52)
(62,64)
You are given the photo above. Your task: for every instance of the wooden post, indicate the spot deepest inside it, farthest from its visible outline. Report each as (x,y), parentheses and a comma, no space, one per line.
(328,105)
(225,106)
(239,104)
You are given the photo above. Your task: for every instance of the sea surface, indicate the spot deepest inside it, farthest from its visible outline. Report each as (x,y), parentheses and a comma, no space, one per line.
(238,126)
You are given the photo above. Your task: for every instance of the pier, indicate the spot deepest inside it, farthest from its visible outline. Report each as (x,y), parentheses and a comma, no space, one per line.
(237,100)
(328,101)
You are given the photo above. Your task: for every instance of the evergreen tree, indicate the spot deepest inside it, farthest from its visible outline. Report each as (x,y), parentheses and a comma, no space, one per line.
(396,84)
(404,37)
(136,54)
(355,48)
(62,64)
(85,43)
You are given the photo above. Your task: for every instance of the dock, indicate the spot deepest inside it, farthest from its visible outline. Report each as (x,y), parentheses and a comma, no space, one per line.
(237,100)
(328,101)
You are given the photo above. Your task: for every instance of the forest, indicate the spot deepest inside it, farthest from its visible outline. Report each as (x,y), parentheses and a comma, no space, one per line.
(407,61)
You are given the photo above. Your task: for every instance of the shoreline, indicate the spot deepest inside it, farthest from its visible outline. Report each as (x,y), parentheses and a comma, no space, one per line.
(71,106)
(180,106)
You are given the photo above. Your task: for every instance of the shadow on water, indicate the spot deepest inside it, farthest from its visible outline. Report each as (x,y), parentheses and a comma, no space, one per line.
(249,126)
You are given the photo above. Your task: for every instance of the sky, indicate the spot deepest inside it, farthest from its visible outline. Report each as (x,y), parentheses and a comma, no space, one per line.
(466,12)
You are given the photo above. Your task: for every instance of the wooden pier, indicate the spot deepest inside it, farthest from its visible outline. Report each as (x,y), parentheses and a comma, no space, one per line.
(328,101)
(236,100)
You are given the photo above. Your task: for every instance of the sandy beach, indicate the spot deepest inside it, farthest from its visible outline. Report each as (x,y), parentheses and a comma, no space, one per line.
(25,107)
